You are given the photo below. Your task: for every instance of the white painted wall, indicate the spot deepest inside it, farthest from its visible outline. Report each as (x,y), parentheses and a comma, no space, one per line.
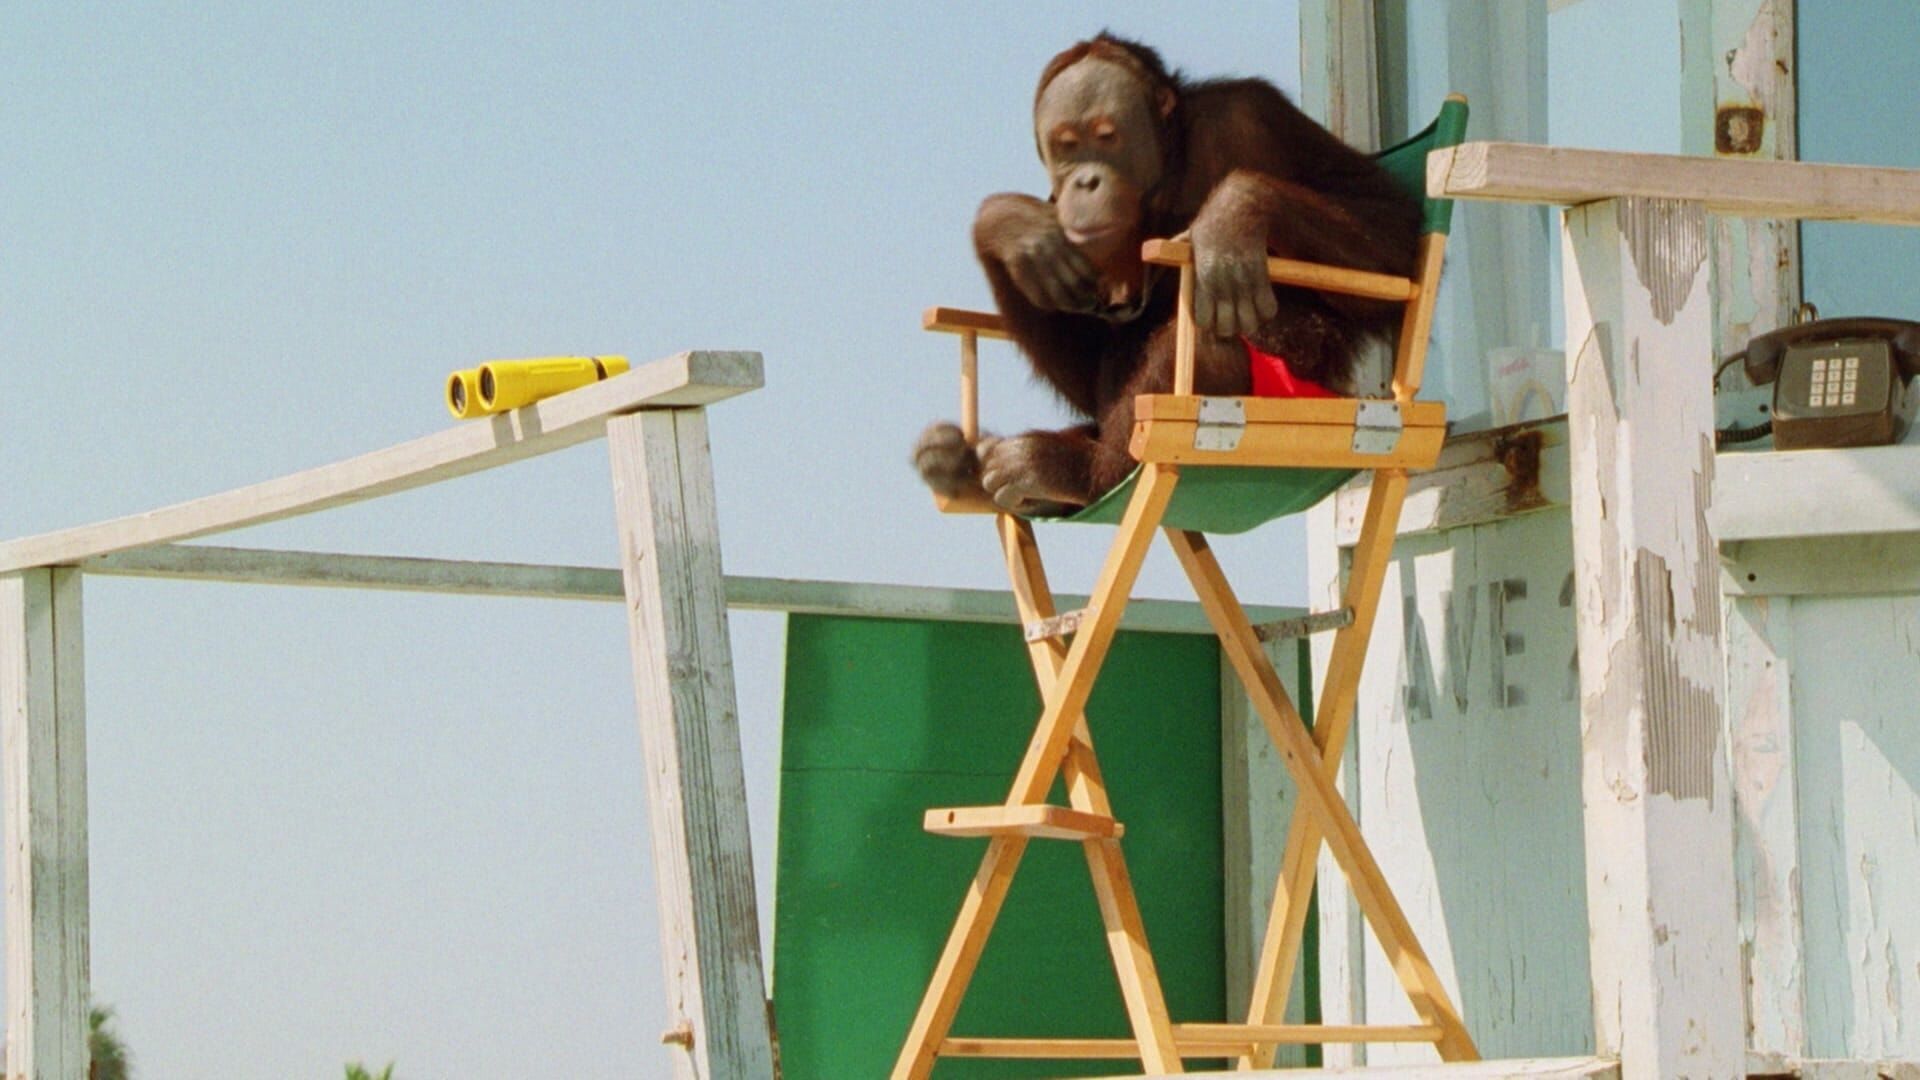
(1469,760)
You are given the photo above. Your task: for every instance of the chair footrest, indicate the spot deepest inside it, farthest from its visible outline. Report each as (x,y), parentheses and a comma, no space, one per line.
(1040,819)
(1190,1041)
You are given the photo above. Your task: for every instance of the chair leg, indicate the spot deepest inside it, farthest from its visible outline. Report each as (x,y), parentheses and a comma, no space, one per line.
(1286,924)
(1320,799)
(1066,682)
(960,957)
(1086,790)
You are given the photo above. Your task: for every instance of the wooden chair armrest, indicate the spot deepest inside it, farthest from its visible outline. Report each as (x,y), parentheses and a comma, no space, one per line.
(1294,272)
(961,321)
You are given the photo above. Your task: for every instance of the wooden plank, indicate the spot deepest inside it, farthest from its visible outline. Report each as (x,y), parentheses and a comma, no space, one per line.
(1564,176)
(689,724)
(950,320)
(1480,477)
(1666,970)
(1319,276)
(316,569)
(206,562)
(1304,446)
(43,733)
(1049,822)
(1305,1034)
(1194,1041)
(1766,805)
(1785,493)
(1762,1064)
(691,378)
(1336,412)
(1886,564)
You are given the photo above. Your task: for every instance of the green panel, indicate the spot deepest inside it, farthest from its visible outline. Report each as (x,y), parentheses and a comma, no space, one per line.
(886,718)
(1222,499)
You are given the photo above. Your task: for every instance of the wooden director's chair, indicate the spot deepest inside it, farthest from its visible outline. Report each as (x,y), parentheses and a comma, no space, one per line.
(1211,464)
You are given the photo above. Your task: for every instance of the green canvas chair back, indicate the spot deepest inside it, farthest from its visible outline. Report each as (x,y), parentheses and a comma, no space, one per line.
(1233,499)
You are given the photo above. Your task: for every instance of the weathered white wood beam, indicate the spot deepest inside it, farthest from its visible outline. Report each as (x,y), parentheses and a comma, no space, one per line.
(1522,172)
(691,378)
(1791,493)
(206,562)
(1869,565)
(1481,477)
(1766,807)
(43,742)
(1737,80)
(331,570)
(718,1025)
(1665,957)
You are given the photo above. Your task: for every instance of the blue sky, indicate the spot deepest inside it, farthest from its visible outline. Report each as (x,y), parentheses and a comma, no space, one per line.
(242,239)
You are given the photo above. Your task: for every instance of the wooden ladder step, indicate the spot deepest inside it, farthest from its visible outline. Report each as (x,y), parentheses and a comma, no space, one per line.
(1039,819)
(1191,1041)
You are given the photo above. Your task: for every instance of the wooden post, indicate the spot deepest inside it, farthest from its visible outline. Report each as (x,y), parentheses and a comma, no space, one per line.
(1665,950)
(43,727)
(1737,85)
(1738,81)
(689,726)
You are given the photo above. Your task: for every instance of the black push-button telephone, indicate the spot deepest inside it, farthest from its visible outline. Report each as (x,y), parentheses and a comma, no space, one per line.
(1837,382)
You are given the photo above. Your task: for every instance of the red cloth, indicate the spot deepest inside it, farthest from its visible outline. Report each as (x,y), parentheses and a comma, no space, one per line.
(1273,378)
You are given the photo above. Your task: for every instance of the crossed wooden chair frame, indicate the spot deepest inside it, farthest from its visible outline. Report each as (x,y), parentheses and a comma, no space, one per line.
(1312,433)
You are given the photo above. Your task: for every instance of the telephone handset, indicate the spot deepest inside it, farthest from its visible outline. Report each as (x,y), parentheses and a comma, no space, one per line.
(1837,382)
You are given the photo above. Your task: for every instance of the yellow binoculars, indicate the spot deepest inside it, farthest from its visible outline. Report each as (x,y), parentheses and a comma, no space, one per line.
(499,385)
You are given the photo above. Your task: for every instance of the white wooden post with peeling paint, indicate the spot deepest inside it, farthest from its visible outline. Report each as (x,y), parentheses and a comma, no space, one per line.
(1665,955)
(43,728)
(690,731)
(1739,102)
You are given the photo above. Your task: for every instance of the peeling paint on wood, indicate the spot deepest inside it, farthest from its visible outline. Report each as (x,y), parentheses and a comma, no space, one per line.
(1738,79)
(1767,841)
(1668,242)
(1665,954)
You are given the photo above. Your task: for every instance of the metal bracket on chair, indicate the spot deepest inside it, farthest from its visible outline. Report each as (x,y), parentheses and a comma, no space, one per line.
(1376,427)
(1221,423)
